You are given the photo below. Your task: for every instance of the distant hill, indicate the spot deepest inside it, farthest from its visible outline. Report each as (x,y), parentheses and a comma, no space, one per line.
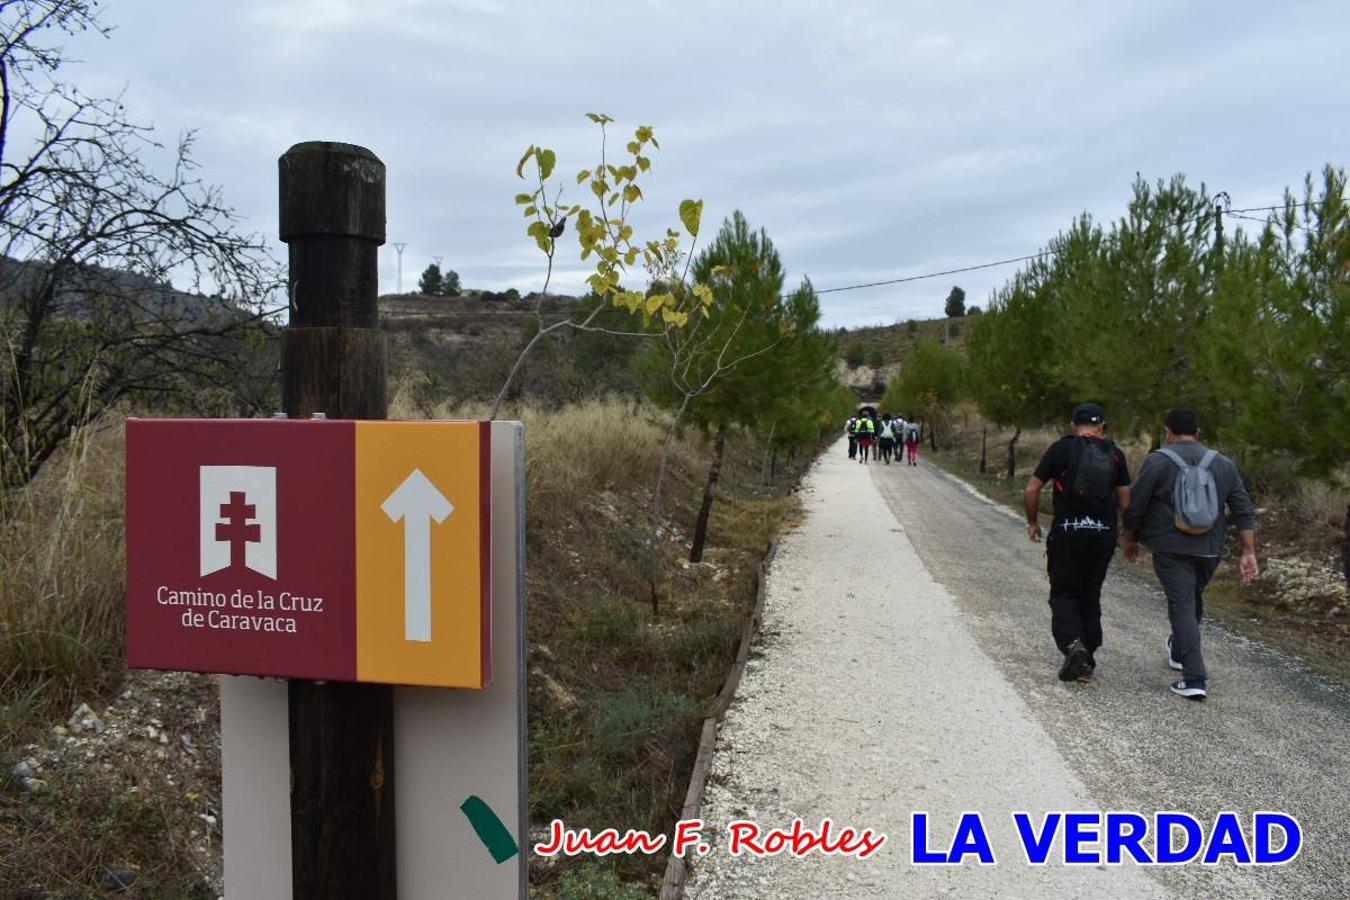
(453,350)
(879,351)
(81,288)
(894,342)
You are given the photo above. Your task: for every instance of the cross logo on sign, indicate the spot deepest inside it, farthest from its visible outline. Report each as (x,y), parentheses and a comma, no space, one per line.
(239,519)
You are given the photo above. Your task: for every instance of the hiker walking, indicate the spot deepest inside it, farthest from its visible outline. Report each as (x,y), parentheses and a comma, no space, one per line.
(1177,511)
(912,443)
(866,429)
(851,428)
(1091,482)
(887,437)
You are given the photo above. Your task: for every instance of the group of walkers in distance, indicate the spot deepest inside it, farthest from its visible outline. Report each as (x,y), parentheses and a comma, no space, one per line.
(1176,508)
(882,437)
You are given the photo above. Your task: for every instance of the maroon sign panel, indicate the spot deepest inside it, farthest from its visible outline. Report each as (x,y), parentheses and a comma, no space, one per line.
(216,582)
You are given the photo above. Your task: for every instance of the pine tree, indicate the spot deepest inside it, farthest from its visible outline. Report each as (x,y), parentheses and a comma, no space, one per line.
(450,284)
(430,283)
(956,303)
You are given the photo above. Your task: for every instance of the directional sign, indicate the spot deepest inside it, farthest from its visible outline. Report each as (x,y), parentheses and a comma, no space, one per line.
(351,551)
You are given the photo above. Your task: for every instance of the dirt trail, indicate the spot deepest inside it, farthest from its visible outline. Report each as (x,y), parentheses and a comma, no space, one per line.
(905,665)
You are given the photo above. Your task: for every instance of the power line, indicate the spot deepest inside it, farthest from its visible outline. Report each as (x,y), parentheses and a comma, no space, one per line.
(1019,259)
(902,280)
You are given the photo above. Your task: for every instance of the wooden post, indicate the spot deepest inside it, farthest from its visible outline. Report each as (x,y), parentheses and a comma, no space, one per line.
(333,362)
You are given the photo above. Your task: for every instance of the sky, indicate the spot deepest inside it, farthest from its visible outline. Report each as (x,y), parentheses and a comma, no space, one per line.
(871,140)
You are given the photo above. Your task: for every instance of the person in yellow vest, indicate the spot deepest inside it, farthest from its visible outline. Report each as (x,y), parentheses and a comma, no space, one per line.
(867,430)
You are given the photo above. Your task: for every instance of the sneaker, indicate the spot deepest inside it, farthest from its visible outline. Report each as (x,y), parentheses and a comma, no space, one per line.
(1077,661)
(1191,690)
(1088,668)
(1172,660)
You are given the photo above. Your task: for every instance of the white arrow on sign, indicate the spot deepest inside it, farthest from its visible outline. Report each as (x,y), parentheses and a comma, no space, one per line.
(417,502)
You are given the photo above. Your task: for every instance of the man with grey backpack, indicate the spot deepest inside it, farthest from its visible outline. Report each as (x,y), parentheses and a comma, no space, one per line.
(1177,510)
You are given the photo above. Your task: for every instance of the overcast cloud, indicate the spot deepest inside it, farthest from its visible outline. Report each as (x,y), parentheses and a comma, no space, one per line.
(872,140)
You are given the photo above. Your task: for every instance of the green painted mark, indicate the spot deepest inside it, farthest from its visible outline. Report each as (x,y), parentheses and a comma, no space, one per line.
(490,829)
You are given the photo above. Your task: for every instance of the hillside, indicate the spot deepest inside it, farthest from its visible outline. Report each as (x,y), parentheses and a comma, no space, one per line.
(893,342)
(459,350)
(870,357)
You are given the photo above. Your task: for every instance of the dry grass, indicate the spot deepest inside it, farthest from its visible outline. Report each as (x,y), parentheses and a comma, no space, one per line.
(1320,502)
(61,582)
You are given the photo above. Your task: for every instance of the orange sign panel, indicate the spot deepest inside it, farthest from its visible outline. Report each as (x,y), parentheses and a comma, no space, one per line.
(422,553)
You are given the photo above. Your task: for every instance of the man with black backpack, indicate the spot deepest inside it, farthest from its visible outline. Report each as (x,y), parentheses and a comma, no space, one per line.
(1091,483)
(1177,511)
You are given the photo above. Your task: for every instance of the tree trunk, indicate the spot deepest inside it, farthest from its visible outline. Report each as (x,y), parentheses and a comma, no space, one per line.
(932,438)
(709,493)
(768,448)
(984,449)
(653,545)
(1345,547)
(1012,453)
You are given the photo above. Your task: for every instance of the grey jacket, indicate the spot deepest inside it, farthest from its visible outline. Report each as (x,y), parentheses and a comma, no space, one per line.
(1150,513)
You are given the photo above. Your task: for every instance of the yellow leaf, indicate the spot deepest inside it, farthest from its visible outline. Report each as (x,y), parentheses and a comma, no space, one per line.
(691,211)
(530,211)
(634,147)
(520,166)
(630,257)
(626,233)
(643,133)
(598,188)
(704,294)
(524,198)
(644,163)
(583,175)
(547,159)
(654,302)
(543,243)
(672,317)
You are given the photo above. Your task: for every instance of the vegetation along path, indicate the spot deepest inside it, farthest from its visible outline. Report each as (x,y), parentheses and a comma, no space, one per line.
(905,665)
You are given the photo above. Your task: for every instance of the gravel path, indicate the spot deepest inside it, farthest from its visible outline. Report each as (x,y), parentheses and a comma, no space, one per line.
(863,705)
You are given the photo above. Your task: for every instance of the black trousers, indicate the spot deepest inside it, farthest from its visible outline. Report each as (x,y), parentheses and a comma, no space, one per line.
(1077,569)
